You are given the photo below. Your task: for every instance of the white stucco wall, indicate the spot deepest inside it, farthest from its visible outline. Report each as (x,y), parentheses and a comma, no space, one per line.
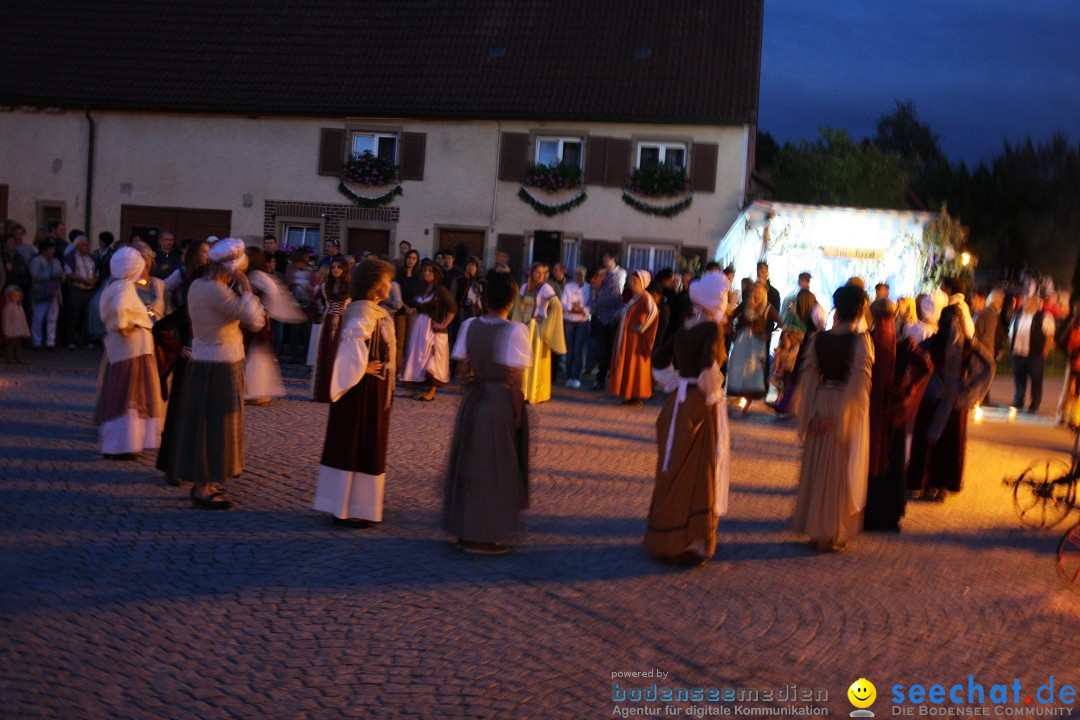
(212,162)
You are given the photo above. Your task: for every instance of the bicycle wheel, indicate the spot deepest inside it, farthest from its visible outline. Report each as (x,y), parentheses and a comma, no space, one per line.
(1068,558)
(1043,494)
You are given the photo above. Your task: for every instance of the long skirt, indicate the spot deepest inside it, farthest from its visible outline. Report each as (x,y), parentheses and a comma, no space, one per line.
(129,406)
(313,343)
(823,508)
(885,496)
(487,481)
(170,433)
(691,494)
(428,353)
(352,473)
(537,381)
(746,374)
(210,447)
(262,377)
(329,334)
(938,465)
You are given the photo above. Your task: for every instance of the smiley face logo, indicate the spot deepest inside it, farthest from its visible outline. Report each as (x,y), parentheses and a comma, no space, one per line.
(862,693)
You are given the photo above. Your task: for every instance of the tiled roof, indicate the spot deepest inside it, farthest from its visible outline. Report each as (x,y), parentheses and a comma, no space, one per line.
(677,61)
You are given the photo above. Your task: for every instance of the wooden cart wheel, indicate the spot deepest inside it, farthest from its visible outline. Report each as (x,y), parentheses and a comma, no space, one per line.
(1043,494)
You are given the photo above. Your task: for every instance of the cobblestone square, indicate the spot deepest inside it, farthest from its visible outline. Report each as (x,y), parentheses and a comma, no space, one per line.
(117,599)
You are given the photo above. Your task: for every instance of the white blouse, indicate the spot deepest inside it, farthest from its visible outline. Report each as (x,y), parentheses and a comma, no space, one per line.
(512,350)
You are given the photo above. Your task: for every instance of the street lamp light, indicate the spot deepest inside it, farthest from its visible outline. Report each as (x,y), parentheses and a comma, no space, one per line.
(965,259)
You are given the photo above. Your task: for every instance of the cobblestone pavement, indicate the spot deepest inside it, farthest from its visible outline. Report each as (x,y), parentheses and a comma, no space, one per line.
(117,599)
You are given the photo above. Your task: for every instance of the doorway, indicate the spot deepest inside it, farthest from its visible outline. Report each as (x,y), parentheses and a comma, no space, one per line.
(370,240)
(183,223)
(462,243)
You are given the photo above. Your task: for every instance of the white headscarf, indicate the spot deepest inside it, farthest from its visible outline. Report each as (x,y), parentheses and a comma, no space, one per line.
(710,294)
(227,252)
(126,264)
(645,277)
(931,306)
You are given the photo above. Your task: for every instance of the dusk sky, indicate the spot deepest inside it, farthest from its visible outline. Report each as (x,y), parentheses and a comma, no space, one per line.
(978,71)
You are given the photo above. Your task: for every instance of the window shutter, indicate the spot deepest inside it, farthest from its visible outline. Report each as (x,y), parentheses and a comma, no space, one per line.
(412,155)
(595,158)
(513,156)
(331,151)
(703,167)
(514,247)
(617,163)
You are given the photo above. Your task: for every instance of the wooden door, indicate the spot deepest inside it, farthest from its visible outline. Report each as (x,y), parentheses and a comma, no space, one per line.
(183,223)
(367,239)
(462,243)
(3,201)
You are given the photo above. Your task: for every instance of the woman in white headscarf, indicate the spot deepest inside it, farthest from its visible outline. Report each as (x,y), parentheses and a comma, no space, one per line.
(693,463)
(631,359)
(129,406)
(210,450)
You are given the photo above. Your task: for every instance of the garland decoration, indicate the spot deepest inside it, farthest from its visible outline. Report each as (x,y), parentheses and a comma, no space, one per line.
(659,181)
(669,210)
(550,209)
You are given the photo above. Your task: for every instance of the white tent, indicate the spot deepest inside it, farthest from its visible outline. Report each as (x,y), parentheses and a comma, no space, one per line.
(831,243)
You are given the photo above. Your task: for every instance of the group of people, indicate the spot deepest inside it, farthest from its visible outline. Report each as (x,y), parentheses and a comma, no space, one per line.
(881,391)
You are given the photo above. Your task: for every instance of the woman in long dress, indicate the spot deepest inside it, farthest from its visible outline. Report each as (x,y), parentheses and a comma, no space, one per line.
(487,481)
(129,407)
(834,411)
(693,442)
(407,277)
(210,450)
(539,309)
(333,295)
(352,472)
(427,359)
(631,359)
(262,376)
(755,319)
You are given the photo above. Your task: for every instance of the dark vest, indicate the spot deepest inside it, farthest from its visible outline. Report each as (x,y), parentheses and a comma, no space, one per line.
(1037,339)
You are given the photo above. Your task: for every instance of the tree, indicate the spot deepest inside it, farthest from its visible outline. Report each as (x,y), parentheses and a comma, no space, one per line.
(835,170)
(902,134)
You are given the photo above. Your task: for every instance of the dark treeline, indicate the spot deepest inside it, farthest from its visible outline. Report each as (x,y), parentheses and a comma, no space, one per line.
(1022,208)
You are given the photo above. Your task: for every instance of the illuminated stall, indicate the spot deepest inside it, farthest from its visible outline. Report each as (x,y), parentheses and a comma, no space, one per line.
(832,244)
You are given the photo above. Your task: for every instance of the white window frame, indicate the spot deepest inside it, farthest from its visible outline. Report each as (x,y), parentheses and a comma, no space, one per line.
(376,136)
(290,224)
(561,140)
(663,147)
(571,250)
(655,253)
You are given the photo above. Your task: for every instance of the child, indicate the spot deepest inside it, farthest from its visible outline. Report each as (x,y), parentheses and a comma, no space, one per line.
(784,358)
(14,327)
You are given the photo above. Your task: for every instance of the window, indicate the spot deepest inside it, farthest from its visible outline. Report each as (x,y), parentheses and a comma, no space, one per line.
(555,150)
(653,258)
(303,236)
(570,254)
(378,144)
(49,210)
(670,154)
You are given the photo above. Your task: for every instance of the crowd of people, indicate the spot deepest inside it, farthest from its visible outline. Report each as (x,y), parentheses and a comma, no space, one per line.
(880,390)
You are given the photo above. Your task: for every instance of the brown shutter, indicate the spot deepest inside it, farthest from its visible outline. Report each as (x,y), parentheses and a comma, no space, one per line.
(514,247)
(595,157)
(513,156)
(617,163)
(4,202)
(413,151)
(331,151)
(703,167)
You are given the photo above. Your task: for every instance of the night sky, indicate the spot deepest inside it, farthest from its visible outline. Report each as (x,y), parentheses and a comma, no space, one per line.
(978,71)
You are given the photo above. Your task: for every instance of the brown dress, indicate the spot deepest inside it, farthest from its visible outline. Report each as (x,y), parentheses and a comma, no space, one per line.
(631,364)
(487,481)
(690,493)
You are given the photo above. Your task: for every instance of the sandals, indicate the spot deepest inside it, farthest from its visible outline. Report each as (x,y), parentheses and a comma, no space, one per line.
(216,500)
(484,548)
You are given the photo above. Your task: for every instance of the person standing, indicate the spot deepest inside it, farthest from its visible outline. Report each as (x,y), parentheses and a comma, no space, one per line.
(631,362)
(789,318)
(82,276)
(1068,412)
(833,415)
(755,319)
(352,470)
(1032,339)
(575,302)
(693,440)
(427,359)
(333,252)
(407,277)
(46,275)
(990,331)
(606,305)
(129,408)
(168,258)
(211,441)
(262,376)
(487,479)
(539,309)
(298,277)
(333,295)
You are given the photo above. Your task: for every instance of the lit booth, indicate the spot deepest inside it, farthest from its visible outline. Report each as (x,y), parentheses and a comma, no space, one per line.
(831,243)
